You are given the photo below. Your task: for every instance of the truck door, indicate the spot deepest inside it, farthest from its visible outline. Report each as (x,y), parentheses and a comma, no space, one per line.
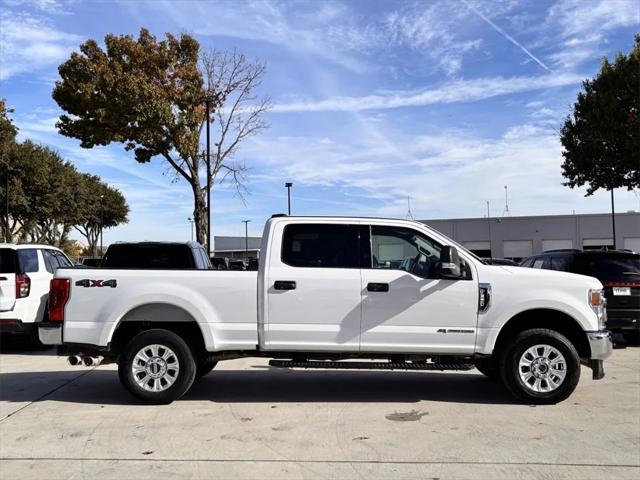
(406,307)
(8,269)
(313,288)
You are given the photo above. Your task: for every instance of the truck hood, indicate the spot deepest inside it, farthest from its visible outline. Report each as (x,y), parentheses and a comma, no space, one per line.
(555,277)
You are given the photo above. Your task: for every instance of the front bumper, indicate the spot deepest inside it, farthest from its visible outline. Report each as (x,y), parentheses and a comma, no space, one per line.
(601,347)
(601,344)
(50,333)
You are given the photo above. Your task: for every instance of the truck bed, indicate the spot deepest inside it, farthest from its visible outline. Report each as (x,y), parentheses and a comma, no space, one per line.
(224,303)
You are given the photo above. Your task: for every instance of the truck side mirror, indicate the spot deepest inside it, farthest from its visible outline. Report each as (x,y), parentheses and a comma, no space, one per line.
(450,263)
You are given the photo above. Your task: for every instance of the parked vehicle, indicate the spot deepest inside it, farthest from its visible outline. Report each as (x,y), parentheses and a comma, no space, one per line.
(336,293)
(237,265)
(220,263)
(25,273)
(156,255)
(92,262)
(619,272)
(499,261)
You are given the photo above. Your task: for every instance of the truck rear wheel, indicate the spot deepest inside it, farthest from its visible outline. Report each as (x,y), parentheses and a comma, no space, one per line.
(157,366)
(540,366)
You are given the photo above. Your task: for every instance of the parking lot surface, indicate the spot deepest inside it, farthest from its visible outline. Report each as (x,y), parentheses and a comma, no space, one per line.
(246,420)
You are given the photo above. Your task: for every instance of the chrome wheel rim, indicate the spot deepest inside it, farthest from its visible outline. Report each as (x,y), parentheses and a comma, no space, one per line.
(155,368)
(542,368)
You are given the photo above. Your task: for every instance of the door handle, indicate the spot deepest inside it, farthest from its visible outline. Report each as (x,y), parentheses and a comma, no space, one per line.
(284,285)
(378,287)
(3,278)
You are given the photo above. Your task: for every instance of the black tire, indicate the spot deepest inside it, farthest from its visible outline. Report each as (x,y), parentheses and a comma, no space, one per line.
(510,369)
(183,376)
(488,367)
(204,366)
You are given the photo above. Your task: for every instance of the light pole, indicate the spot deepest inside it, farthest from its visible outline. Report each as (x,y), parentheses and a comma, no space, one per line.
(288,185)
(191,227)
(208,98)
(246,239)
(613,219)
(101,221)
(489,224)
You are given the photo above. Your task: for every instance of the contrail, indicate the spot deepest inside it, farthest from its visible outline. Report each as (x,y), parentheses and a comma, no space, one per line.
(507,36)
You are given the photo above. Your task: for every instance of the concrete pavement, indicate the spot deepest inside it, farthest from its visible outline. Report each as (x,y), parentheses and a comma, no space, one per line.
(246,420)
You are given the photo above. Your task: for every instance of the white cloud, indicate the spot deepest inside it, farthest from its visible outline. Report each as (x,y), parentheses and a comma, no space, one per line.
(28,44)
(452,92)
(578,28)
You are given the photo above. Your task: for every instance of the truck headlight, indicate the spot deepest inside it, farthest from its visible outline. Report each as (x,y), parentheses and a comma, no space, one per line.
(598,304)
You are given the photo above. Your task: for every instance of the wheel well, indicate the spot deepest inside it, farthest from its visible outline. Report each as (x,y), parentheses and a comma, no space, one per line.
(545,318)
(158,315)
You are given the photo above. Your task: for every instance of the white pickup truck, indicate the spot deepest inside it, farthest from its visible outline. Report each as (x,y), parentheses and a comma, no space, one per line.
(336,292)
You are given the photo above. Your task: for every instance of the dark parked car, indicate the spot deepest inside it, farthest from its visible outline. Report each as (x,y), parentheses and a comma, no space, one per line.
(220,263)
(157,255)
(91,262)
(619,272)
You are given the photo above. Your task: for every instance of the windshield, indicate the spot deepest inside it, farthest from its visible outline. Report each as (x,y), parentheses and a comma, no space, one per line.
(611,269)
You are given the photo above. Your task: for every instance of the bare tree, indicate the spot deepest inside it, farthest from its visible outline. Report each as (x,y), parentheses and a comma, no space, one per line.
(240,112)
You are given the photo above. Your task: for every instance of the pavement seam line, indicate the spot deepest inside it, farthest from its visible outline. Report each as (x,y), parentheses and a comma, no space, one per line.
(364,462)
(46,394)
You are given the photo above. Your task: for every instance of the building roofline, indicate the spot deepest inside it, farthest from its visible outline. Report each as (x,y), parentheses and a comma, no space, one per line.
(568,215)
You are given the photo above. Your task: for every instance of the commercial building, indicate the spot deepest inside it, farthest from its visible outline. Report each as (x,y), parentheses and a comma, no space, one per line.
(235,247)
(519,237)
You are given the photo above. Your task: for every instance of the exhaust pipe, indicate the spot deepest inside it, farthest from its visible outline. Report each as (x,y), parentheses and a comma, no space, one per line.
(92,361)
(74,360)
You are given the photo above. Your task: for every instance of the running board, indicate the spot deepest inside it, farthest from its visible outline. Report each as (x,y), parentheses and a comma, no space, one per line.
(371,365)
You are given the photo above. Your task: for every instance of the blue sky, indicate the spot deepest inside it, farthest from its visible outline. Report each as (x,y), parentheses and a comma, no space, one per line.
(373,101)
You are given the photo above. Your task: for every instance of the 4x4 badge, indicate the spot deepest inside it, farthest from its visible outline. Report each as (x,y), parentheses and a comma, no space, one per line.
(96,283)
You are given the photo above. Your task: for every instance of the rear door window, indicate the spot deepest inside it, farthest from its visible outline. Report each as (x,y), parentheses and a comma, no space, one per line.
(63,261)
(50,260)
(321,245)
(538,262)
(28,259)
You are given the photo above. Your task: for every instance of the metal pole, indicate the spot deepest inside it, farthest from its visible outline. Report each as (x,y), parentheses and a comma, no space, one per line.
(191,227)
(246,239)
(489,223)
(101,221)
(6,191)
(288,185)
(613,220)
(208,105)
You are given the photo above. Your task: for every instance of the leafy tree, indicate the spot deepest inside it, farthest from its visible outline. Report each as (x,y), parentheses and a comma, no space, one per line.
(601,139)
(48,196)
(102,206)
(149,96)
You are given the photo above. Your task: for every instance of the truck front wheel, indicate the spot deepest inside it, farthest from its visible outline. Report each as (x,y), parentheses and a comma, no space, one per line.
(540,366)
(157,366)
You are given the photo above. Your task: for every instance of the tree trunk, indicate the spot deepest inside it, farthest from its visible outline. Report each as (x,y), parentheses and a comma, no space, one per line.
(200,216)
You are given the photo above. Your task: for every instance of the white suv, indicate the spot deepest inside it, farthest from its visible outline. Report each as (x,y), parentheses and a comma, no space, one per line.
(25,272)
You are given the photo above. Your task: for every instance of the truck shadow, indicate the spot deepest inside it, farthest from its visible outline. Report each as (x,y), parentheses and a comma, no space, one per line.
(273,386)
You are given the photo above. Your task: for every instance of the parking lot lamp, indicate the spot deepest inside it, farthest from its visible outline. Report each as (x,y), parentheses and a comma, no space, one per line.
(246,239)
(288,185)
(191,227)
